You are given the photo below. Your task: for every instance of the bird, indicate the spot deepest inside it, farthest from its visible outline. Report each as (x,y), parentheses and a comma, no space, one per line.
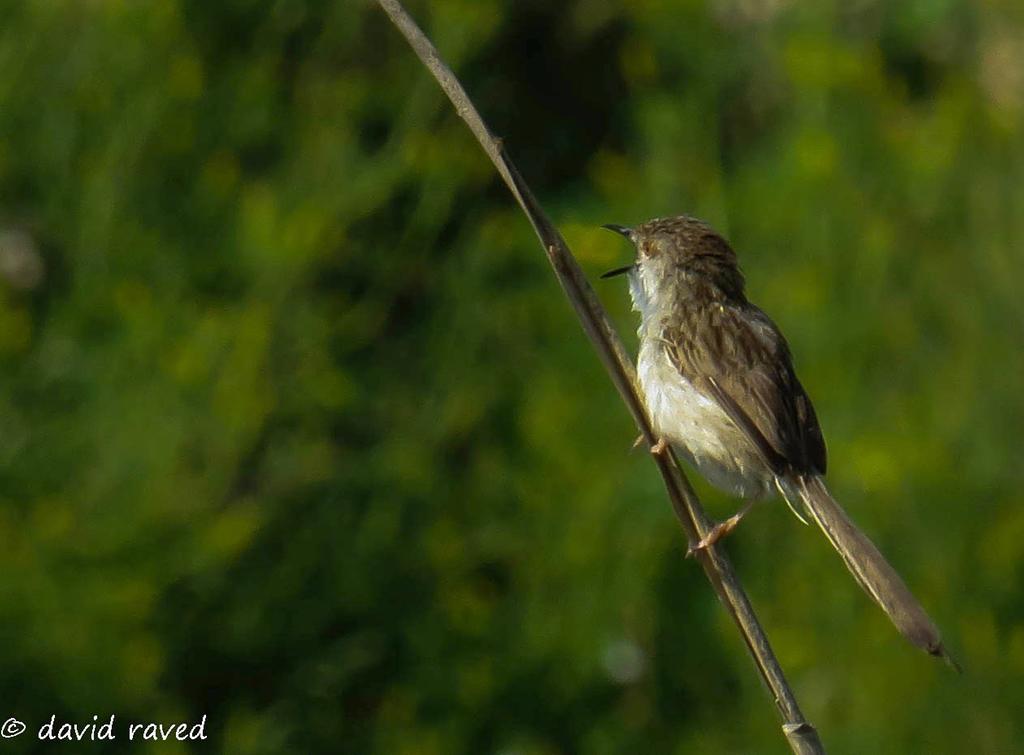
(718,380)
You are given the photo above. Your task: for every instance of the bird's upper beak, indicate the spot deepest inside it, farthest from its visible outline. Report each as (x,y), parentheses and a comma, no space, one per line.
(620,229)
(628,233)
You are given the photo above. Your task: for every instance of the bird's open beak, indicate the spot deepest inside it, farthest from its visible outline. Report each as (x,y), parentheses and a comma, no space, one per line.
(623,231)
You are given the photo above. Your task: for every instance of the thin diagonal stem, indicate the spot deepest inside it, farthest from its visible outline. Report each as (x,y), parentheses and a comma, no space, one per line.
(802,736)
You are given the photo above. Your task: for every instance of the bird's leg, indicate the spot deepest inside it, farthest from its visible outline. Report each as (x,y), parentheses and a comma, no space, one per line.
(721,529)
(638,442)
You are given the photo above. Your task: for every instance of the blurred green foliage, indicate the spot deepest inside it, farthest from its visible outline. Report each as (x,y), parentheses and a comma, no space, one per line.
(298,432)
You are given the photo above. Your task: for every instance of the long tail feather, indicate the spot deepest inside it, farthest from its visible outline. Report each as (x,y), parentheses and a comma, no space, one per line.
(872,572)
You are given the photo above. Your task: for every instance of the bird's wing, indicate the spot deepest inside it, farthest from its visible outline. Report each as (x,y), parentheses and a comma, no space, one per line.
(736,355)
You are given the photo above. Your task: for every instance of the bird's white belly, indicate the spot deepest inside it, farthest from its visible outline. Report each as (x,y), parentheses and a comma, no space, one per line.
(699,428)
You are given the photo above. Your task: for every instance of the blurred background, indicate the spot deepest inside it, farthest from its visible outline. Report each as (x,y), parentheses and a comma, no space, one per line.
(297,430)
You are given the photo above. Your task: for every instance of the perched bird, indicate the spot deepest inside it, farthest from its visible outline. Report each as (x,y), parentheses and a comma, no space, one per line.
(719,383)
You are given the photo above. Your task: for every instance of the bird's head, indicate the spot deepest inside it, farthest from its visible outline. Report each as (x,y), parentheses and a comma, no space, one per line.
(678,254)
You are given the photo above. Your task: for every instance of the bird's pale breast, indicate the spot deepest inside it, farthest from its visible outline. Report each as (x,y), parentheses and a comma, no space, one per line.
(699,428)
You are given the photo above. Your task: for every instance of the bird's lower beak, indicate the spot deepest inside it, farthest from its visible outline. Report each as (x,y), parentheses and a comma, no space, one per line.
(618,271)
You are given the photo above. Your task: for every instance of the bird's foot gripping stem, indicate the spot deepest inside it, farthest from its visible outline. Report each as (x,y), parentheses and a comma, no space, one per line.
(719,531)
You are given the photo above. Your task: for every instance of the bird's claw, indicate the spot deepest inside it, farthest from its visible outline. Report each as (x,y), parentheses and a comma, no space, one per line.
(715,534)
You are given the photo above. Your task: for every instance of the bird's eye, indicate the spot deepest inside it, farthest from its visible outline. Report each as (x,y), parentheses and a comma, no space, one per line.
(650,248)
